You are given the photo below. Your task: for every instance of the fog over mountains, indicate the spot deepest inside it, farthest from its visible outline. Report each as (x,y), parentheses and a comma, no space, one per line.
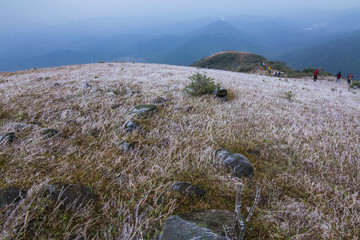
(306,38)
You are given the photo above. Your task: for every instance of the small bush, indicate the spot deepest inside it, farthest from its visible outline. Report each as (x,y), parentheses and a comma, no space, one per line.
(355,84)
(200,85)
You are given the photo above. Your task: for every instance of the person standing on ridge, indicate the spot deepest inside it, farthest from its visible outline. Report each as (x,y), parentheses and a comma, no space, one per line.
(269,70)
(316,73)
(338,77)
(350,78)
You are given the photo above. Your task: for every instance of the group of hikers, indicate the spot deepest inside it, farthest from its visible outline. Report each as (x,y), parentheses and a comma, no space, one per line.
(349,78)
(276,74)
(338,77)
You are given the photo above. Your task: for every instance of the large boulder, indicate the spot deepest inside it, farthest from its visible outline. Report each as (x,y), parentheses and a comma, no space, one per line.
(10,195)
(71,196)
(176,228)
(188,189)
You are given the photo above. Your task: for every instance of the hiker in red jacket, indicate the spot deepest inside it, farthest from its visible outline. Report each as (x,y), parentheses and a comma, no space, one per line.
(316,73)
(350,77)
(338,77)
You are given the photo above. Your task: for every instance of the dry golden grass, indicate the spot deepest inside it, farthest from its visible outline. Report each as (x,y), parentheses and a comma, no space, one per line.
(305,151)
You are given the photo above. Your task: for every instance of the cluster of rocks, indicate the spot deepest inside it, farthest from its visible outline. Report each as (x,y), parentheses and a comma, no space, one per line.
(10,137)
(206,225)
(70,196)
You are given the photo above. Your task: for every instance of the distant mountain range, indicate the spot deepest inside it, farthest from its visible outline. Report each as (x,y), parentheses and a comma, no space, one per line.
(299,44)
(337,55)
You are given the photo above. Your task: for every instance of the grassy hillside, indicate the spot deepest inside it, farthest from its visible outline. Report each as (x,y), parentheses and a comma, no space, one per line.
(250,63)
(301,137)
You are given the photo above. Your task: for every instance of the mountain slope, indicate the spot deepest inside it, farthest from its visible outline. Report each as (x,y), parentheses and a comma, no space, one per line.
(337,55)
(215,37)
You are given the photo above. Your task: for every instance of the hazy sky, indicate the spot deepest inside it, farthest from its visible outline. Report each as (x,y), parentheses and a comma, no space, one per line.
(30,13)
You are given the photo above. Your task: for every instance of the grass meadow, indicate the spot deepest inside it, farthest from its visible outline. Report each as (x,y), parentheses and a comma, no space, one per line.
(301,136)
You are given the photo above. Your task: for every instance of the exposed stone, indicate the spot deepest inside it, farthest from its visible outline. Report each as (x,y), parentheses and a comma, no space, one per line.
(130,125)
(49,132)
(214,219)
(176,228)
(56,84)
(115,106)
(145,108)
(188,189)
(8,137)
(86,85)
(71,195)
(10,195)
(221,93)
(222,154)
(241,165)
(160,100)
(126,146)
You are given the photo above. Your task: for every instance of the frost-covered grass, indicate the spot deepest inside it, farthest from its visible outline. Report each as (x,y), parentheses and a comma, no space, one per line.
(305,151)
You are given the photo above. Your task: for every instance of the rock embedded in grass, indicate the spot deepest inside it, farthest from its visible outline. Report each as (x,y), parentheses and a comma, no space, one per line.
(221,93)
(8,137)
(49,132)
(222,153)
(145,108)
(86,85)
(72,196)
(188,189)
(177,228)
(127,146)
(131,125)
(10,195)
(240,165)
(160,100)
(214,219)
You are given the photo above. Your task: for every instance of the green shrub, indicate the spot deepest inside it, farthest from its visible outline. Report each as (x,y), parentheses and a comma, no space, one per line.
(200,85)
(355,84)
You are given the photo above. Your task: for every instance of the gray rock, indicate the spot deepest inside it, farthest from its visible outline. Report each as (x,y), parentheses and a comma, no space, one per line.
(131,125)
(10,195)
(145,108)
(56,84)
(241,165)
(221,93)
(215,219)
(222,154)
(188,189)
(71,196)
(126,146)
(49,132)
(160,100)
(115,106)
(86,85)
(176,228)
(8,137)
